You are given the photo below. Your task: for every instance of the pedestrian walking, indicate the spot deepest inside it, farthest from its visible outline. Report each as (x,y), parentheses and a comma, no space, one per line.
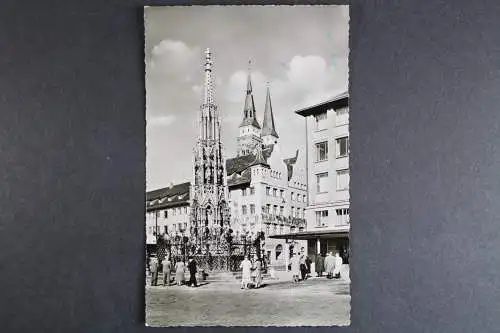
(258,272)
(167,267)
(179,272)
(320,264)
(192,272)
(303,267)
(246,274)
(153,268)
(295,267)
(329,265)
(338,264)
(308,266)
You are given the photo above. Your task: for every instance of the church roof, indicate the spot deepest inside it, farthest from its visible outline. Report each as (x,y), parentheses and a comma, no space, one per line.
(240,163)
(249,115)
(268,127)
(171,196)
(238,168)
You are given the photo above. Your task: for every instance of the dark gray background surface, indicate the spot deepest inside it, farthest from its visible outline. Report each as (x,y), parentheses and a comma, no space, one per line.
(425,184)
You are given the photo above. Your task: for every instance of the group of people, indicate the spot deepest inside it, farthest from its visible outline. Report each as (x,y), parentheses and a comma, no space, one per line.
(247,280)
(300,265)
(330,265)
(179,267)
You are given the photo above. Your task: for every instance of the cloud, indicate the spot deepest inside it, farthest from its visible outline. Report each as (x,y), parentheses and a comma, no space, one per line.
(162,121)
(175,58)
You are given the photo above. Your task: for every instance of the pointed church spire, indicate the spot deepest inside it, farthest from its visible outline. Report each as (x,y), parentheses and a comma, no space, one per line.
(268,127)
(208,94)
(249,80)
(249,115)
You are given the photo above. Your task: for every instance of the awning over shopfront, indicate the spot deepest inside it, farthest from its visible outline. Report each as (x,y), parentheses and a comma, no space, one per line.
(314,234)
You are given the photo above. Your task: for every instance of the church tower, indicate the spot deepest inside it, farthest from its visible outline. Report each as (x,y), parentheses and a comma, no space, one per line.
(209,209)
(269,135)
(249,137)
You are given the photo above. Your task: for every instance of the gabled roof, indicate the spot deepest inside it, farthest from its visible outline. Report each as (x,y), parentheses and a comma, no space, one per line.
(238,168)
(168,196)
(240,163)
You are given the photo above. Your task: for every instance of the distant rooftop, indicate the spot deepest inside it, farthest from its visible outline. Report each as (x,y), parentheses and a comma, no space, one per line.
(336,102)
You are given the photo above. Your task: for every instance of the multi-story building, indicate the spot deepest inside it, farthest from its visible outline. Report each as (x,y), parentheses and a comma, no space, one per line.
(327,212)
(167,212)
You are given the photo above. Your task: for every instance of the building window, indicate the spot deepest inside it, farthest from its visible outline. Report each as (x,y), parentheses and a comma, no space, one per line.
(268,208)
(292,211)
(229,194)
(165,229)
(252,190)
(275,210)
(165,214)
(291,196)
(282,209)
(321,218)
(322,151)
(244,192)
(321,182)
(268,191)
(244,210)
(342,216)
(304,213)
(282,193)
(252,209)
(185,225)
(173,212)
(342,116)
(185,210)
(175,227)
(342,146)
(320,121)
(342,180)
(274,192)
(180,227)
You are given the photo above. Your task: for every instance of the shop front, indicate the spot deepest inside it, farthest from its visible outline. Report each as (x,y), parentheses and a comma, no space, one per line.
(320,243)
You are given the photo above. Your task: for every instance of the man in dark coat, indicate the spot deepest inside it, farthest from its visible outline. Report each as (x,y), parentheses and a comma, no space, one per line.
(192,272)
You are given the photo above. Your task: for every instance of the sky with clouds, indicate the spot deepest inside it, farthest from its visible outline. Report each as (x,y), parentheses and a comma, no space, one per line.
(302,51)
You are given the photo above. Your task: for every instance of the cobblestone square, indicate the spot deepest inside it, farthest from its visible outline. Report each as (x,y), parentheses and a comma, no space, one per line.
(314,302)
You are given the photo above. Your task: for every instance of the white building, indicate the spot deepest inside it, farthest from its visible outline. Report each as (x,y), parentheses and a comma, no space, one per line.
(167,212)
(327,212)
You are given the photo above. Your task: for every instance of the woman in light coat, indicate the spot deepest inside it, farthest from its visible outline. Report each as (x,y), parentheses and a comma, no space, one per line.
(179,272)
(329,265)
(246,276)
(338,264)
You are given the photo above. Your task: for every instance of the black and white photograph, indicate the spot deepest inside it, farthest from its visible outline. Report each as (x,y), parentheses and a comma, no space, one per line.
(247,166)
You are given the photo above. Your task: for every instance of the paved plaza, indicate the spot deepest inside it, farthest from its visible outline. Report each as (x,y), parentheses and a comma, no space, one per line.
(314,302)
